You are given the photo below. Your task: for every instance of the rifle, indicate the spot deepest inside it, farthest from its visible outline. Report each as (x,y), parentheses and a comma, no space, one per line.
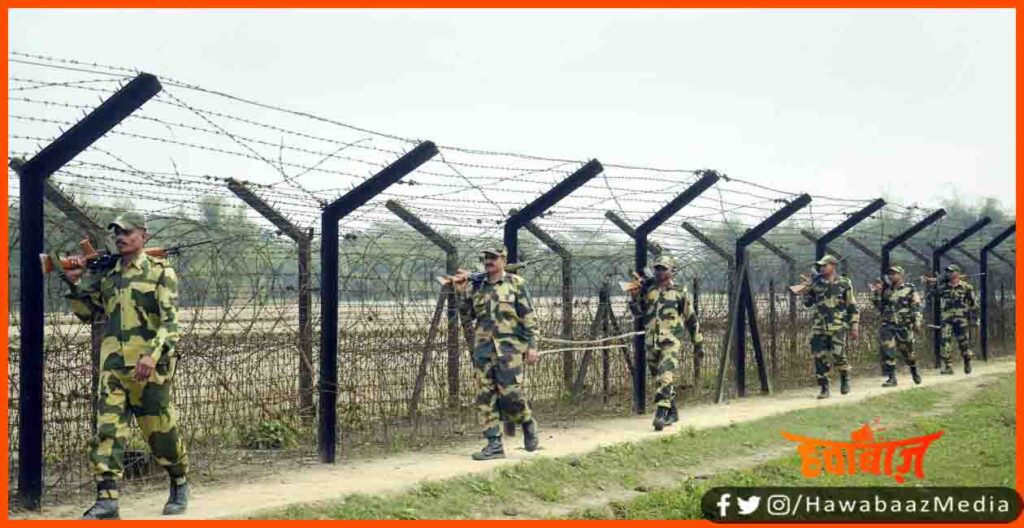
(476,278)
(808,281)
(103,260)
(638,280)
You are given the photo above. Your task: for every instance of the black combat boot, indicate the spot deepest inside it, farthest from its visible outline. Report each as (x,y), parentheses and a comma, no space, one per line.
(890,373)
(660,415)
(530,437)
(825,392)
(177,501)
(844,382)
(673,415)
(967,364)
(915,375)
(493,449)
(946,369)
(105,507)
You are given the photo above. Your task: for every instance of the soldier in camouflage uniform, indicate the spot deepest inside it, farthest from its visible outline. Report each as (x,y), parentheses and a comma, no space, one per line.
(959,307)
(665,309)
(835,313)
(900,307)
(136,301)
(505,338)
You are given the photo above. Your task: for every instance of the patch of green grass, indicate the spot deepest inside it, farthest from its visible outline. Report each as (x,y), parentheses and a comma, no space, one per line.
(977,449)
(512,489)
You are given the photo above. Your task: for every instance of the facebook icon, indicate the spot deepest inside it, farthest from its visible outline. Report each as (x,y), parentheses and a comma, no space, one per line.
(723,504)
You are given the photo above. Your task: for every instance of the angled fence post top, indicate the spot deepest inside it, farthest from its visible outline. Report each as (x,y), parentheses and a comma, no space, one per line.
(779,252)
(864,249)
(653,247)
(917,254)
(707,179)
(243,192)
(556,193)
(963,235)
(421,227)
(1003,235)
(846,225)
(773,220)
(711,244)
(913,230)
(389,175)
(85,132)
(544,202)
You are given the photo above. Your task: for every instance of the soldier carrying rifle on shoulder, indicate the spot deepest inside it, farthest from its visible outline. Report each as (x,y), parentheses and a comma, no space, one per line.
(835,313)
(504,339)
(666,310)
(959,308)
(137,297)
(900,307)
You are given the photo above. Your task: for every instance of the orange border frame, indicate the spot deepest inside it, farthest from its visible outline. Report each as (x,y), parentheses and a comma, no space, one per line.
(4,306)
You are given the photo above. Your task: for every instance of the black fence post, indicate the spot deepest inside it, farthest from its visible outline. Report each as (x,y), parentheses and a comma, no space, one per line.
(985,250)
(901,241)
(331,215)
(567,296)
(707,179)
(451,267)
(33,173)
(303,241)
(99,238)
(791,297)
(948,258)
(936,256)
(746,308)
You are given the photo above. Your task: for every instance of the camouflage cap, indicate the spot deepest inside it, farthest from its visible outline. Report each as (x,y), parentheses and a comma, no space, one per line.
(128,221)
(497,252)
(895,269)
(665,260)
(953,268)
(827,259)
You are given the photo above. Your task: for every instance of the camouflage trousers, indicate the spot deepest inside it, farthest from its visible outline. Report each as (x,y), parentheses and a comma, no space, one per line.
(823,345)
(897,337)
(955,329)
(498,395)
(662,362)
(122,397)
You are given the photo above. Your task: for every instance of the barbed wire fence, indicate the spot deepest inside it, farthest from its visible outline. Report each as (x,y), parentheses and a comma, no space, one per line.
(253,178)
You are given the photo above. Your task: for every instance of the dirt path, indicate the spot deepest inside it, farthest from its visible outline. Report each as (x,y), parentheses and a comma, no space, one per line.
(395,473)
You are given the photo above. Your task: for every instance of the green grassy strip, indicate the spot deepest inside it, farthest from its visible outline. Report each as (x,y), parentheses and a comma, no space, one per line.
(977,449)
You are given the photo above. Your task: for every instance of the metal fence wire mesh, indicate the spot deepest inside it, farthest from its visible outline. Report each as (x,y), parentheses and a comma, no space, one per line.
(247,372)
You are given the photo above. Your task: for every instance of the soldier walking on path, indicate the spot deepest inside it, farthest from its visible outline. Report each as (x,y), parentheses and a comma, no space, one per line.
(504,338)
(665,309)
(959,307)
(900,307)
(136,298)
(835,313)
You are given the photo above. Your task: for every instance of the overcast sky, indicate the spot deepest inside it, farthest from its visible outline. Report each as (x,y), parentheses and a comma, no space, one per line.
(912,104)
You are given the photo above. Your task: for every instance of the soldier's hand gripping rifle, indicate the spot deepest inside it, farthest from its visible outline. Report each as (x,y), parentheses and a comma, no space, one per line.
(806,281)
(94,260)
(638,281)
(476,278)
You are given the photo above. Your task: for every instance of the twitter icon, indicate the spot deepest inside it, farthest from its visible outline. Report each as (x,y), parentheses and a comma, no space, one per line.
(748,506)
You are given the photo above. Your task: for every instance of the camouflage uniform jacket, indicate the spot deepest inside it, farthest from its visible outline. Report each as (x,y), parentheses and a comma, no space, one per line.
(665,311)
(137,305)
(835,305)
(958,302)
(899,306)
(504,315)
